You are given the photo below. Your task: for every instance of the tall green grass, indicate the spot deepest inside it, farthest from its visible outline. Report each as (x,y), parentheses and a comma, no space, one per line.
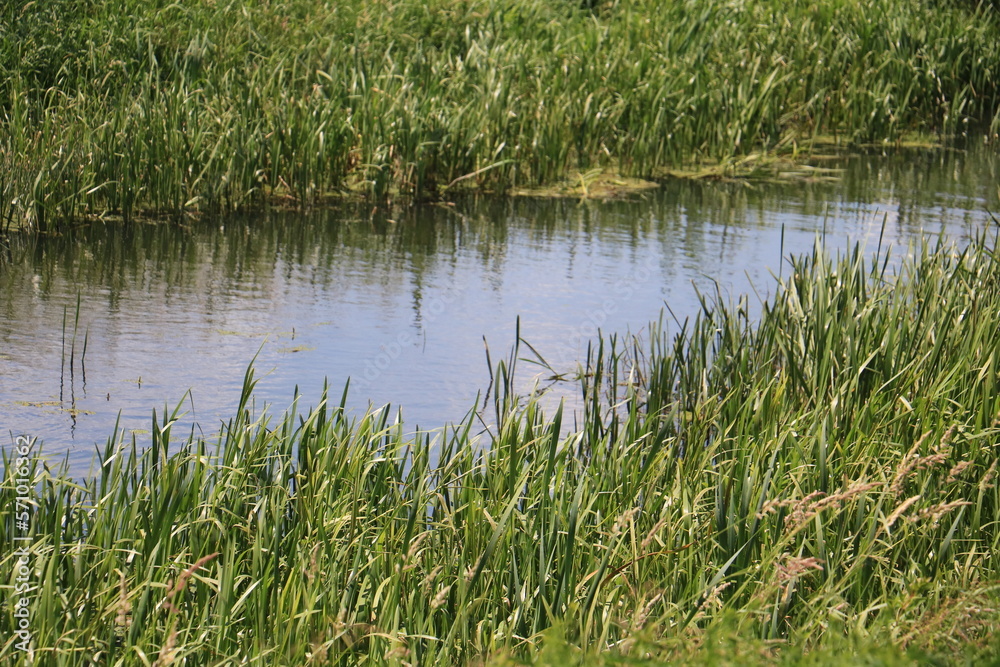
(124,106)
(823,477)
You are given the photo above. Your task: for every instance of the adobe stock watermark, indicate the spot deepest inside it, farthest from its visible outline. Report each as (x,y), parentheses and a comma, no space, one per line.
(390,351)
(24,584)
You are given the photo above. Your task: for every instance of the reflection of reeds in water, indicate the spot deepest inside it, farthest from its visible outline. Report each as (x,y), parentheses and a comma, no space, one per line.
(831,464)
(72,410)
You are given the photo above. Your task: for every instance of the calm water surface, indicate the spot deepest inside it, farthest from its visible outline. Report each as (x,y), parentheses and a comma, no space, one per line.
(400,300)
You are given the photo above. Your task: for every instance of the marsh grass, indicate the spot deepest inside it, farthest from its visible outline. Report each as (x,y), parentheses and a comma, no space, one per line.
(125,107)
(822,477)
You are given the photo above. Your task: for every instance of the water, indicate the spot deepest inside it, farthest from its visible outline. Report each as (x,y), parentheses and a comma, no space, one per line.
(401,299)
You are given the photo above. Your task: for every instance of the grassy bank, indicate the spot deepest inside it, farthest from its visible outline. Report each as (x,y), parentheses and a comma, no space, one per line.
(820,484)
(127,106)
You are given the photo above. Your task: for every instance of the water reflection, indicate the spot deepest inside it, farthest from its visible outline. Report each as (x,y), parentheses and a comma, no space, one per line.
(400,299)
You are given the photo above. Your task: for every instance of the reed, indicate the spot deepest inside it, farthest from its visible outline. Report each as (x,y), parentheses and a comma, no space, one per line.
(128,107)
(818,479)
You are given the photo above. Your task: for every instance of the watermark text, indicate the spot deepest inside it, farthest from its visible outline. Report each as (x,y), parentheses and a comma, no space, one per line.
(24,585)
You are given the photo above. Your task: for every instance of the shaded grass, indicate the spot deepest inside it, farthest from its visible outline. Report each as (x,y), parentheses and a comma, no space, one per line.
(125,107)
(822,478)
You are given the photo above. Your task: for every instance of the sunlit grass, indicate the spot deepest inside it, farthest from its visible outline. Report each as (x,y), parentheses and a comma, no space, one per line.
(822,479)
(123,106)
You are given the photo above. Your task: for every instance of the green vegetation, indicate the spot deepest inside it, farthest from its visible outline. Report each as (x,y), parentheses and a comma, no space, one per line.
(818,484)
(145,106)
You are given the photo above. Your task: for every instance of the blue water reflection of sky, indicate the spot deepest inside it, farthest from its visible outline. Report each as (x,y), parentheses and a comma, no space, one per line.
(401,300)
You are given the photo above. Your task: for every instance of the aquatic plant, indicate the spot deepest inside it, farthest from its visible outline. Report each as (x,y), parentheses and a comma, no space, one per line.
(820,476)
(125,107)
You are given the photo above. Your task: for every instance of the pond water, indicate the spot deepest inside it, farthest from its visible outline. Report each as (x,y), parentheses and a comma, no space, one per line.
(401,299)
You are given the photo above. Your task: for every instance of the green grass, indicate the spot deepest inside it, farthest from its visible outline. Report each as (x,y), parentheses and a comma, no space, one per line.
(818,485)
(129,107)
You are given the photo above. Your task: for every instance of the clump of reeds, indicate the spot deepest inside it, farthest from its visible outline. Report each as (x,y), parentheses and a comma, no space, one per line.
(822,476)
(125,107)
